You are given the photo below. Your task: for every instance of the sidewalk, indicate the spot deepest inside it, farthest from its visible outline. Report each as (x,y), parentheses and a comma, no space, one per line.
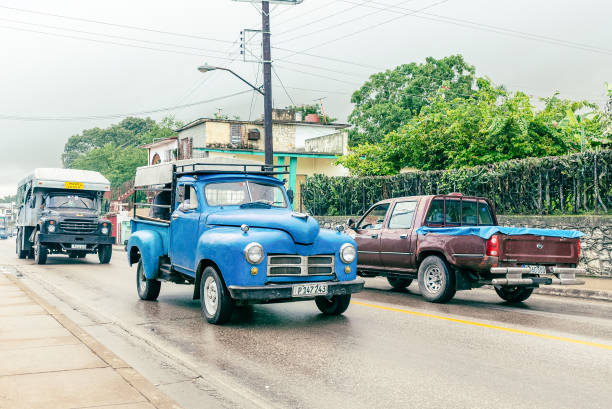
(49,362)
(593,289)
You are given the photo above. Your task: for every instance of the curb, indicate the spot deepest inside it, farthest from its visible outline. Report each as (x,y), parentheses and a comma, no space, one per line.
(157,398)
(599,295)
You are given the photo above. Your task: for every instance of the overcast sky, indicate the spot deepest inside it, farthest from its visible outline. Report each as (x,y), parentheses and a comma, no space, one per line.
(66,76)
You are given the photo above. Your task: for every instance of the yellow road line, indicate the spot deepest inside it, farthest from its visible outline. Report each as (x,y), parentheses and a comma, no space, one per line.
(480,324)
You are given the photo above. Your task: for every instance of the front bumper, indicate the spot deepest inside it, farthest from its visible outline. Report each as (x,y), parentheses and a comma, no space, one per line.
(514,276)
(283,291)
(75,238)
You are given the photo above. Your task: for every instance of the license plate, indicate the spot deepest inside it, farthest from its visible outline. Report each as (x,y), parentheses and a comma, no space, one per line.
(79,246)
(536,269)
(73,185)
(309,290)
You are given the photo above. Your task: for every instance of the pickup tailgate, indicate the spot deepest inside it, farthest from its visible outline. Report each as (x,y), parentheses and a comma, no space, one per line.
(538,249)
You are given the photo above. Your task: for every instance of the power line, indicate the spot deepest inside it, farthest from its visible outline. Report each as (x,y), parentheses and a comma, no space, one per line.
(115,24)
(113,36)
(113,42)
(488,28)
(112,116)
(302,15)
(283,86)
(326,58)
(316,75)
(365,29)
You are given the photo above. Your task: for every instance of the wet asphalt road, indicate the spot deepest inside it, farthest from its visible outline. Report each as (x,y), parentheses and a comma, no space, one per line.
(389,350)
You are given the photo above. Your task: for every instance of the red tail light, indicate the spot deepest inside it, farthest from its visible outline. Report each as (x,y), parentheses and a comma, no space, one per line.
(493,246)
(578,247)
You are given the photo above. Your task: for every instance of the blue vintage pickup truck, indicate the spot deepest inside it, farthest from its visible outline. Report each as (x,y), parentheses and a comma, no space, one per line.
(228,228)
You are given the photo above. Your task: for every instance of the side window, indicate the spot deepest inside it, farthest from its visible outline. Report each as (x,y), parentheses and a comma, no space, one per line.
(453,212)
(180,195)
(186,194)
(402,215)
(436,212)
(374,219)
(193,198)
(484,214)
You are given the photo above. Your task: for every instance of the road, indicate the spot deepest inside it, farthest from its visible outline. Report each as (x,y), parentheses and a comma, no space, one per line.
(390,349)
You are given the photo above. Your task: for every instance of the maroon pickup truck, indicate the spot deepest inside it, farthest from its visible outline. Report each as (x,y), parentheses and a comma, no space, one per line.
(452,242)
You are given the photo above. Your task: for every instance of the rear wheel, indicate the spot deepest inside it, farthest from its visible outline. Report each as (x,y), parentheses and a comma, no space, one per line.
(399,283)
(40,251)
(335,305)
(436,280)
(148,289)
(105,252)
(513,294)
(19,245)
(216,303)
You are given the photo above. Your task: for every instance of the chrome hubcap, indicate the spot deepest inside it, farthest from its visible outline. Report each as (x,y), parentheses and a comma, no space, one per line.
(433,279)
(142,281)
(210,295)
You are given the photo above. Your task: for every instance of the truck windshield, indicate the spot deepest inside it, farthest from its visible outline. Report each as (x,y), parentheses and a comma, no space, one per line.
(244,194)
(70,201)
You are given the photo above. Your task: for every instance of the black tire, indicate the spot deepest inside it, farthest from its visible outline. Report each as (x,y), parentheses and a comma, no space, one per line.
(148,289)
(20,252)
(399,283)
(40,251)
(216,303)
(105,252)
(436,280)
(335,305)
(513,294)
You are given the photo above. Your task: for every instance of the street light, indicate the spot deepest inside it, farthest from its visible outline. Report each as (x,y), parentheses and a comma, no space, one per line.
(206,68)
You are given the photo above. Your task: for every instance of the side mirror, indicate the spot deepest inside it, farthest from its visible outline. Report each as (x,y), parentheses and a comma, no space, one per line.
(291,195)
(351,224)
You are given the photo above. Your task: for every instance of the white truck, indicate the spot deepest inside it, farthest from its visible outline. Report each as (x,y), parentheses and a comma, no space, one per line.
(59,212)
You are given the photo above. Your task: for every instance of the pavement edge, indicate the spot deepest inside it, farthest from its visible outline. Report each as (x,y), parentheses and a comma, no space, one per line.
(129,374)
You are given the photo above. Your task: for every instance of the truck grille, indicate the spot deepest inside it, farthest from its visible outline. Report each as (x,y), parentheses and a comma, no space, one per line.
(300,265)
(78,226)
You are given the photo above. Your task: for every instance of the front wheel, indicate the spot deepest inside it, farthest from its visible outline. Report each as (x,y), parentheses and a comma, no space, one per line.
(216,304)
(40,251)
(19,246)
(399,283)
(105,252)
(335,305)
(513,294)
(148,289)
(436,280)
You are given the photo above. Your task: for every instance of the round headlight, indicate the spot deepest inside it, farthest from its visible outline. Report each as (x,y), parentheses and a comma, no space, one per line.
(51,228)
(104,230)
(254,253)
(348,253)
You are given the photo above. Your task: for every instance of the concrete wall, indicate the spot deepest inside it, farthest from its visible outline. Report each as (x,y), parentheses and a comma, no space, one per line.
(336,143)
(595,245)
(166,151)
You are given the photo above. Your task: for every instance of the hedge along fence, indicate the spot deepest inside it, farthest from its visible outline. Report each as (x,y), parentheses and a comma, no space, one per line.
(579,183)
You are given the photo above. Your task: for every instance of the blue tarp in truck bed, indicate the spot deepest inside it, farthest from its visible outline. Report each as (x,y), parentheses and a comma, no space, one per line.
(486,232)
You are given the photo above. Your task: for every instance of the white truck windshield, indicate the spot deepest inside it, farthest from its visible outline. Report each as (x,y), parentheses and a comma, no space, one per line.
(70,201)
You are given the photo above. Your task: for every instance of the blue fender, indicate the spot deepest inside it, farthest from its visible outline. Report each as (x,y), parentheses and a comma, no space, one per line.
(150,245)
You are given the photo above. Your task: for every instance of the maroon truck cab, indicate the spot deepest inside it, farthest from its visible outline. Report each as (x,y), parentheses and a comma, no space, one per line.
(389,245)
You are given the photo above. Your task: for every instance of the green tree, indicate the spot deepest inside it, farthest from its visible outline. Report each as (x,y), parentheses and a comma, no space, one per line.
(388,100)
(492,125)
(115,151)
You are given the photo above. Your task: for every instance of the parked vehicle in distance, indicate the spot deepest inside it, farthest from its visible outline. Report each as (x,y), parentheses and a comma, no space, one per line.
(229,230)
(59,212)
(4,229)
(452,242)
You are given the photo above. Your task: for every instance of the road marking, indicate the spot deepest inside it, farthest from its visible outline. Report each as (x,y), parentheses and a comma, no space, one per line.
(480,324)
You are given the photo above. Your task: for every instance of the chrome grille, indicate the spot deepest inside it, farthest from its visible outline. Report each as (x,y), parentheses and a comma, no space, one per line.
(78,226)
(300,265)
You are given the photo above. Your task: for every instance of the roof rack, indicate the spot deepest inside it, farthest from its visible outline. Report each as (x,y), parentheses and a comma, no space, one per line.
(258,169)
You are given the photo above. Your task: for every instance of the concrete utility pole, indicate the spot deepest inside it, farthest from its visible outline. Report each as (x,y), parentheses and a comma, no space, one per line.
(267,74)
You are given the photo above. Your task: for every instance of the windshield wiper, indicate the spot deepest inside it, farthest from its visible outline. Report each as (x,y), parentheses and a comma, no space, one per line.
(259,203)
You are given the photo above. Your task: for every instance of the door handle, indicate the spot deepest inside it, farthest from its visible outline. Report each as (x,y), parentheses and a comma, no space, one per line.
(174,216)
(374,236)
(403,236)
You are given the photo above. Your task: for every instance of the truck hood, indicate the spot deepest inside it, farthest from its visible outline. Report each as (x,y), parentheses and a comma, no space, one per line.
(303,229)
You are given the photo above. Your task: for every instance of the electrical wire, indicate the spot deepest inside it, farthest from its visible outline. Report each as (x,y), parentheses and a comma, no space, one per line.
(115,24)
(488,27)
(113,116)
(283,86)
